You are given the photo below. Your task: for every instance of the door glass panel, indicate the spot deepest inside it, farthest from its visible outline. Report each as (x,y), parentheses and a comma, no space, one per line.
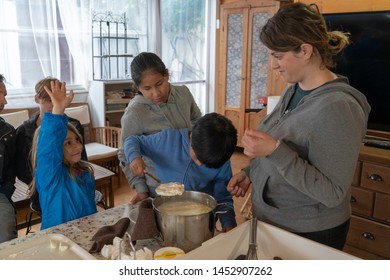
(234,59)
(259,71)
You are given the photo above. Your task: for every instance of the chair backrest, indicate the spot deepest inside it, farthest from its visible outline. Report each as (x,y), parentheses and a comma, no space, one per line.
(15,118)
(80,113)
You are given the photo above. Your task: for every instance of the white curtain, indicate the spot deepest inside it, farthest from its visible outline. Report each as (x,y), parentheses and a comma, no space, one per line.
(44,27)
(76,22)
(154,27)
(9,39)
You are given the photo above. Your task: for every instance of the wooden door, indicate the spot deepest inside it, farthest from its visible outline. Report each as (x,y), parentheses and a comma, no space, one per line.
(232,72)
(244,73)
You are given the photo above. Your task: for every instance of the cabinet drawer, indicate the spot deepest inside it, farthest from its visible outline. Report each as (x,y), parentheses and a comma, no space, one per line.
(357,175)
(382,207)
(370,236)
(376,177)
(362,201)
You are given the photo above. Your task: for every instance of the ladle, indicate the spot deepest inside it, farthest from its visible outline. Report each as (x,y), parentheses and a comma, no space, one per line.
(153,177)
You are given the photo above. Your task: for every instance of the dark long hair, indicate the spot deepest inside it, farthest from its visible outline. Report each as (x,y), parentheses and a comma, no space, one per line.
(146,61)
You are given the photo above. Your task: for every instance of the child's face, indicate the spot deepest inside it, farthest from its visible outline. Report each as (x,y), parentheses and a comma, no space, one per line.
(72,148)
(3,93)
(154,86)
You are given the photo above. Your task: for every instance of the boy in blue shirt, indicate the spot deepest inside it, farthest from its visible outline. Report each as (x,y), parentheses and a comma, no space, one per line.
(199,159)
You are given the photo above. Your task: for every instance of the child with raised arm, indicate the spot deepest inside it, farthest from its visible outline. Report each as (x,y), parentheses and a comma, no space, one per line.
(199,159)
(65,183)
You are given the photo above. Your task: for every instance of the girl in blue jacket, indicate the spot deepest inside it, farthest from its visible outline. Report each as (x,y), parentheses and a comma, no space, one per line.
(65,184)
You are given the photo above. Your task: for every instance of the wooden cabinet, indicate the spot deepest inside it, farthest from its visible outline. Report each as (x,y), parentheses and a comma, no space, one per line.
(108,100)
(369,234)
(244,74)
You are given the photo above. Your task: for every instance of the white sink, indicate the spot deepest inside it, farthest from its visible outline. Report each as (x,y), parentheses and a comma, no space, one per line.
(271,242)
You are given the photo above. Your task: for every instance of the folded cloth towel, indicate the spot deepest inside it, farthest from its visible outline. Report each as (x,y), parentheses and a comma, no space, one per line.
(146,224)
(105,235)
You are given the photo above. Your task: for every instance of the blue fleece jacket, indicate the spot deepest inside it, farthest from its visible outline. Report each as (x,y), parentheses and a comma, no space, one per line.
(170,152)
(61,198)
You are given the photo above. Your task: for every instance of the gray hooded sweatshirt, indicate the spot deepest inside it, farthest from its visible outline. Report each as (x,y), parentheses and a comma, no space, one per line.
(304,185)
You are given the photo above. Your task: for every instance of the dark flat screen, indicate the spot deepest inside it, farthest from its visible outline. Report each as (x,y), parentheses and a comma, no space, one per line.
(366,62)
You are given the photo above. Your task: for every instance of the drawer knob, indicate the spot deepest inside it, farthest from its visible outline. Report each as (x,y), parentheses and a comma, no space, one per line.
(375,177)
(353,199)
(368,235)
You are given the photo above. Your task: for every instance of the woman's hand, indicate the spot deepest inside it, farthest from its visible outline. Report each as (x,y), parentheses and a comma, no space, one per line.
(257,143)
(58,97)
(137,166)
(238,184)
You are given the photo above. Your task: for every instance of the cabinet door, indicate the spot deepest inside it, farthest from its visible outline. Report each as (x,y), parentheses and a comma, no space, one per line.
(376,177)
(362,201)
(369,235)
(234,24)
(382,207)
(244,71)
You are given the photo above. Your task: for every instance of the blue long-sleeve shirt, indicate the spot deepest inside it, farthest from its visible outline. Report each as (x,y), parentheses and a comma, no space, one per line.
(170,152)
(61,198)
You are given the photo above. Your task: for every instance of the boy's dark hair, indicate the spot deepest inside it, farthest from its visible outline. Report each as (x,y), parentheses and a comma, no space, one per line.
(214,139)
(2,79)
(146,61)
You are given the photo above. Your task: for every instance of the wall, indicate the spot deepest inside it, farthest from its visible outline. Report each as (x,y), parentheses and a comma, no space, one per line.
(338,6)
(17,102)
(27,100)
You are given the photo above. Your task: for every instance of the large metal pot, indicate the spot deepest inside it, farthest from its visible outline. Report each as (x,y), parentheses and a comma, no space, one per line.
(183,231)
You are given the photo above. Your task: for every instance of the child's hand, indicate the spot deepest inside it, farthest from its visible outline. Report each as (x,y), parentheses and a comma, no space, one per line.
(137,166)
(58,96)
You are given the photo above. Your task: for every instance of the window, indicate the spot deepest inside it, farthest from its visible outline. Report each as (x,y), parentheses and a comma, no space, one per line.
(184,44)
(52,38)
(33,43)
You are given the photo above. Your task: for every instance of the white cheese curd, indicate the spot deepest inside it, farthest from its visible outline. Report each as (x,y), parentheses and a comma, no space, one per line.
(170,189)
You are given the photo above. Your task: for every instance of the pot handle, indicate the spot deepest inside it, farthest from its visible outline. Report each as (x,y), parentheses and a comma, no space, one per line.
(223,211)
(219,212)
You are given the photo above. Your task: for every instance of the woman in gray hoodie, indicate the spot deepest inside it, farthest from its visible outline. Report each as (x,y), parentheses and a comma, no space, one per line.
(304,153)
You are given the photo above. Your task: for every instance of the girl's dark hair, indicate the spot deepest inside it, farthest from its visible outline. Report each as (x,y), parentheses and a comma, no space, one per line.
(146,61)
(298,23)
(213,139)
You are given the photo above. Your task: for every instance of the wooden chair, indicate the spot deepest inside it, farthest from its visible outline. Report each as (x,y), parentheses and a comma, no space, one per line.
(101,143)
(15,118)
